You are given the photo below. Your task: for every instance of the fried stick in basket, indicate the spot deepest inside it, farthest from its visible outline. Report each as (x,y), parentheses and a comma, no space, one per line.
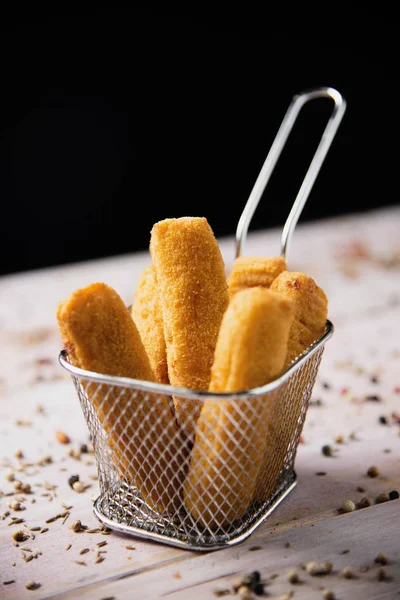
(147,314)
(101,336)
(253,271)
(193,294)
(311,310)
(232,433)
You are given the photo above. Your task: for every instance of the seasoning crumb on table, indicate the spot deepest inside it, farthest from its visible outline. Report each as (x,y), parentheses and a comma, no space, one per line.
(293,577)
(373,471)
(347,573)
(349,506)
(19,535)
(328,594)
(382,558)
(32,585)
(327,450)
(364,502)
(383,497)
(316,568)
(62,437)
(382,575)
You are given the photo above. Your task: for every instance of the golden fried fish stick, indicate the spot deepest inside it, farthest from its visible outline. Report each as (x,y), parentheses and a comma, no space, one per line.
(231,434)
(146,312)
(100,335)
(311,310)
(253,271)
(194,296)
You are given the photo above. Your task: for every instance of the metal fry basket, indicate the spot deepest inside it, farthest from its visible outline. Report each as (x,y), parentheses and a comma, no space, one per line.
(250,438)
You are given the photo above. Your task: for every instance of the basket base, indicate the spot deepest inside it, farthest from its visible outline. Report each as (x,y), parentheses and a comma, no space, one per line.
(171,534)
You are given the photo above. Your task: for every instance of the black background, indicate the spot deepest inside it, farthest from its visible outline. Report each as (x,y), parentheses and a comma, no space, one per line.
(114,119)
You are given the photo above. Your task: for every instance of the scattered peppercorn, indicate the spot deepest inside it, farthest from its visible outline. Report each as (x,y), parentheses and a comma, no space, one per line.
(381,559)
(258,588)
(73,479)
(393,495)
(320,473)
(19,535)
(327,450)
(374,379)
(326,385)
(347,572)
(381,574)
(293,577)
(76,526)
(78,486)
(248,584)
(251,579)
(373,471)
(32,585)
(384,497)
(383,420)
(9,475)
(15,505)
(245,593)
(364,503)
(349,506)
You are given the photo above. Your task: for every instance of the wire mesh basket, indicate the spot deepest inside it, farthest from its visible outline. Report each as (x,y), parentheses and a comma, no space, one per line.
(142,467)
(207,486)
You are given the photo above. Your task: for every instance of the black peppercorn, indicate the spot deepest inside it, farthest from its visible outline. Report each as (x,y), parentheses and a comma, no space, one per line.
(73,479)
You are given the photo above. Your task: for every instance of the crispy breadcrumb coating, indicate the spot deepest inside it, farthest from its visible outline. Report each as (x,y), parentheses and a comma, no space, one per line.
(253,271)
(231,435)
(147,315)
(194,296)
(101,336)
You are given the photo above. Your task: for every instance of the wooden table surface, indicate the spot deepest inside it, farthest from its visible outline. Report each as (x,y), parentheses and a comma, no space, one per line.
(355,409)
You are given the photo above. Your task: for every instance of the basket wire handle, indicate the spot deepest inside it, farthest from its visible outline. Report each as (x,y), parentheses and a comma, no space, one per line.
(297,103)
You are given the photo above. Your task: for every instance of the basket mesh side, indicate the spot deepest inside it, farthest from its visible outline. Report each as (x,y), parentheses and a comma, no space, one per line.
(245,451)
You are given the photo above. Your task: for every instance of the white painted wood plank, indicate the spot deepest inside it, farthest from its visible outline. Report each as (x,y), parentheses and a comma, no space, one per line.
(366,341)
(363,534)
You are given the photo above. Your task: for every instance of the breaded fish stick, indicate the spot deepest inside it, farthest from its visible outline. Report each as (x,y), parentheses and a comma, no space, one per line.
(193,290)
(252,271)
(100,335)
(311,308)
(231,434)
(147,315)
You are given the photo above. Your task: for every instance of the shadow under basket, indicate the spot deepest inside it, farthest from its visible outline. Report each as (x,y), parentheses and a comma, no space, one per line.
(199,487)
